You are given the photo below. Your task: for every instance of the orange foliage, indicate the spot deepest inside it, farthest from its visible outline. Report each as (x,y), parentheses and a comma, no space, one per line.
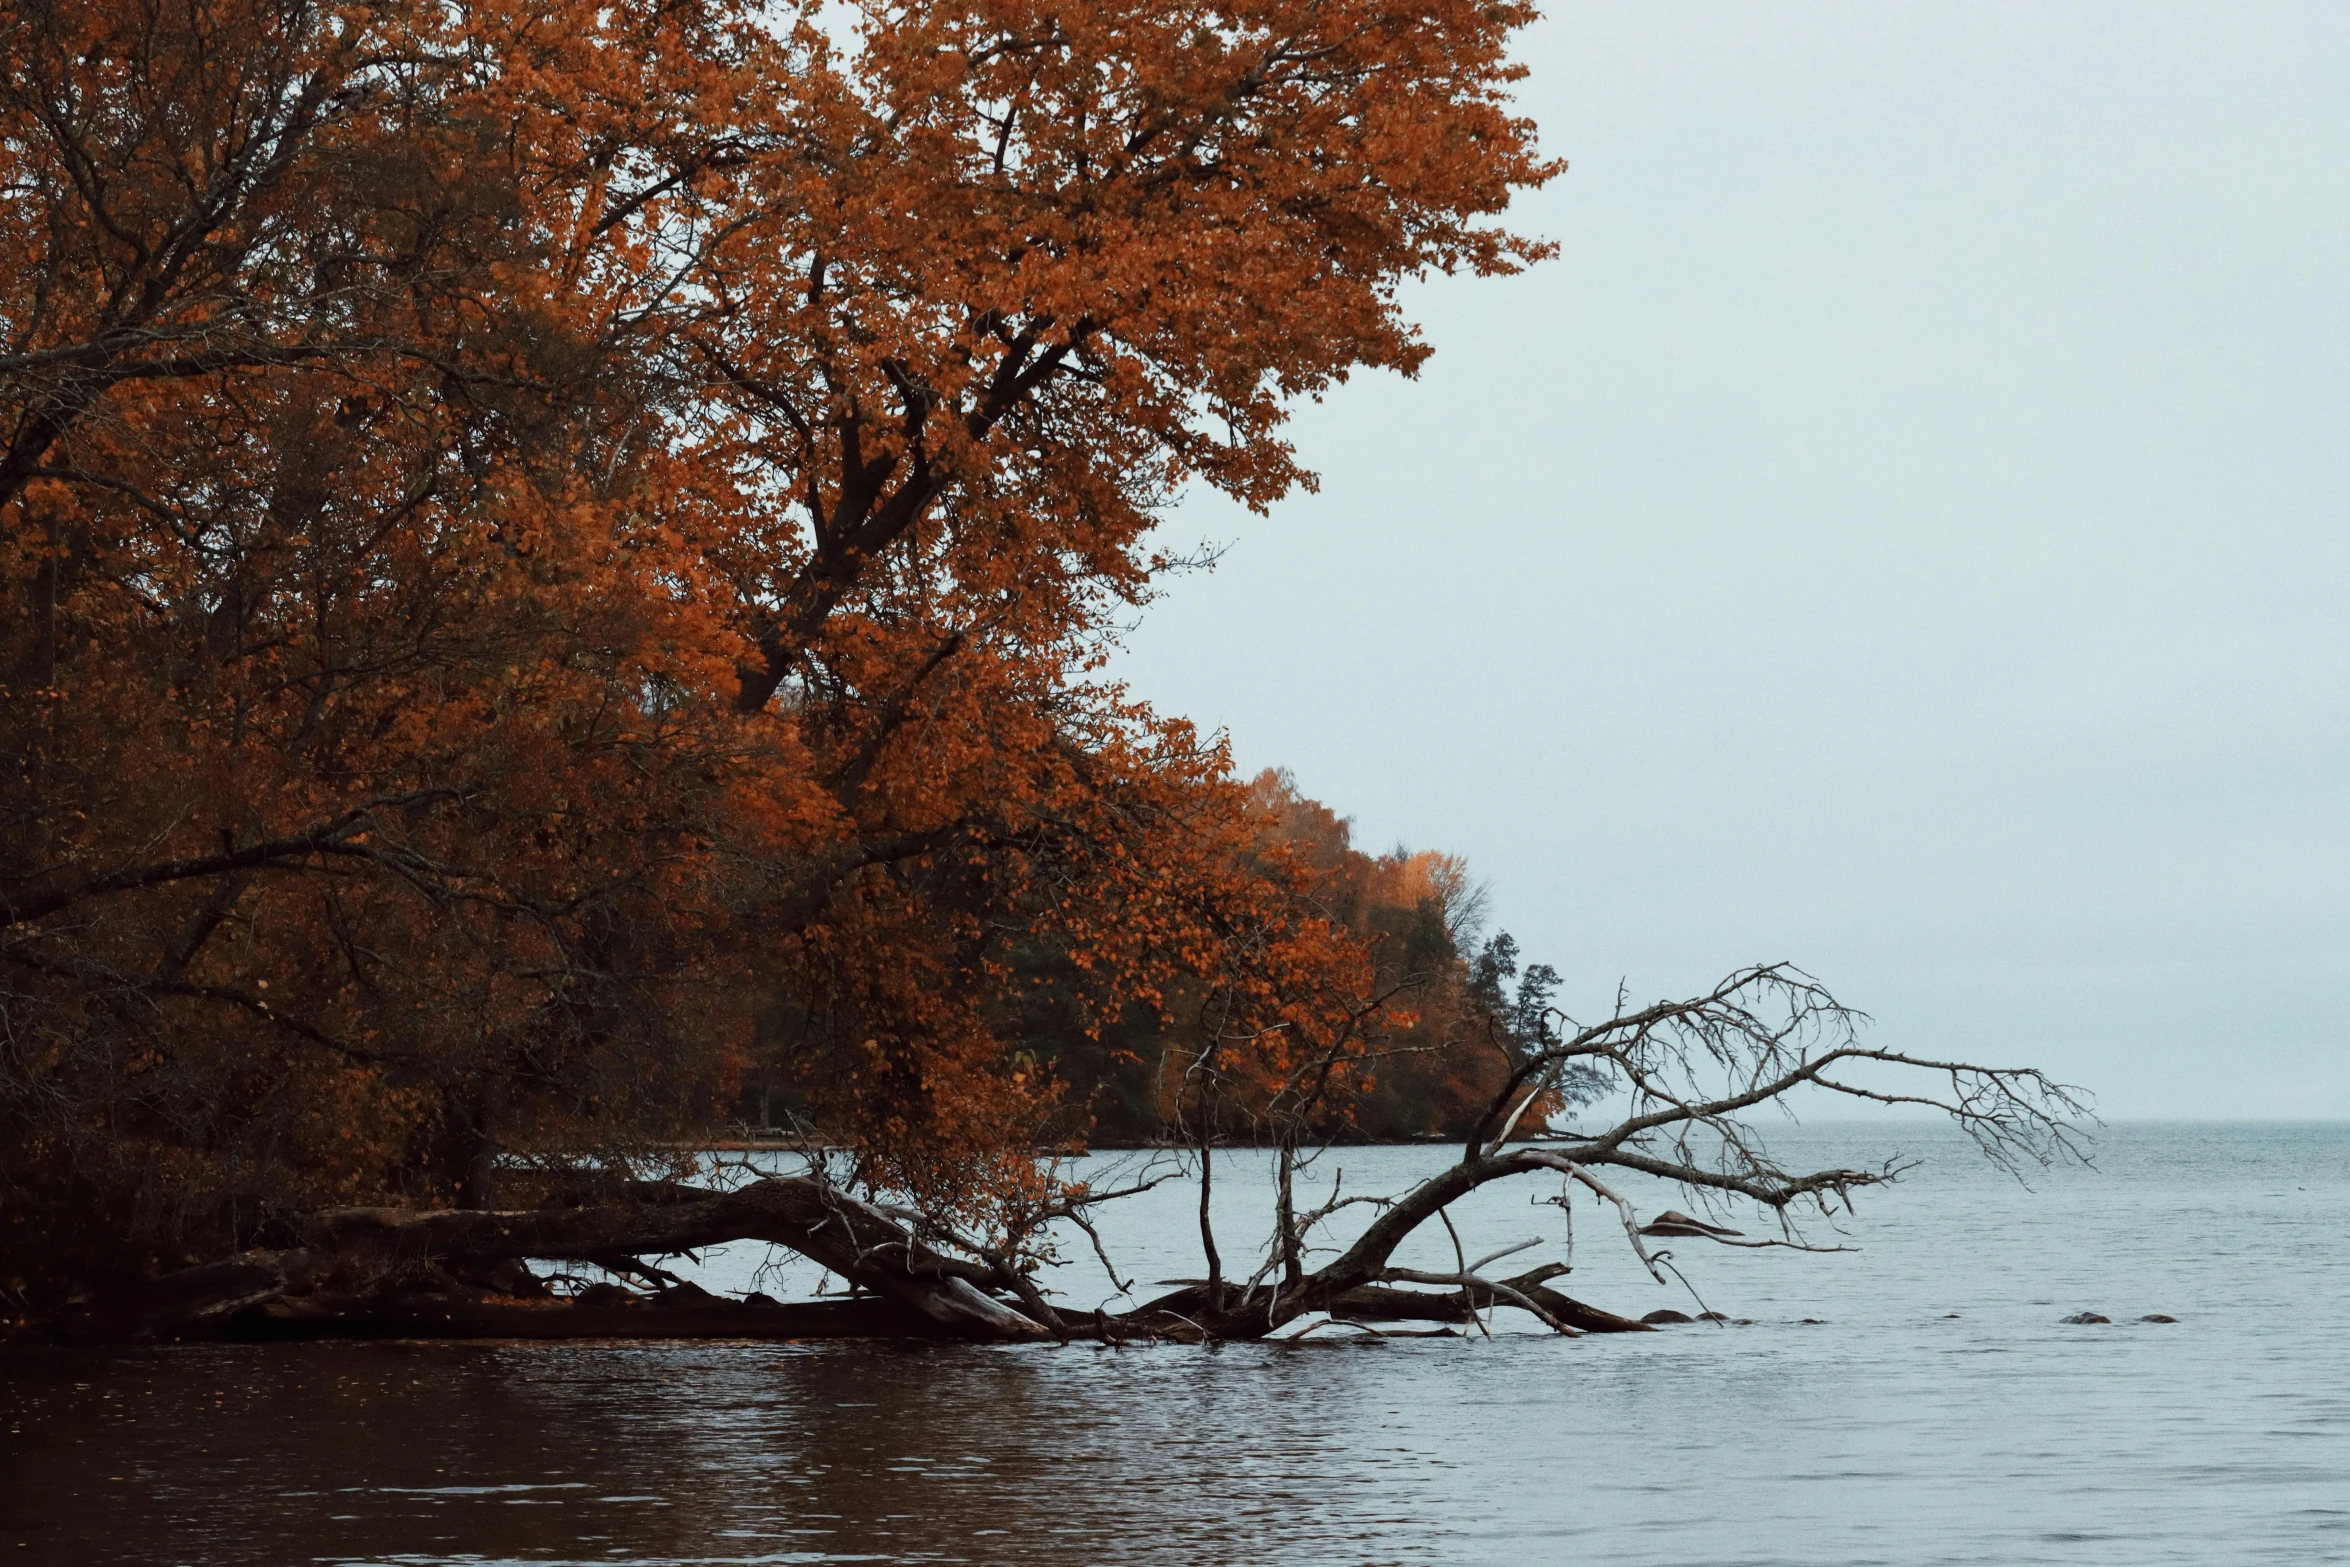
(1389,1025)
(526,521)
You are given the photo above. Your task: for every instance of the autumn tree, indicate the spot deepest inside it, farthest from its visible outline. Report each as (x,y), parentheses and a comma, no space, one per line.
(1454,1014)
(524,520)
(525,526)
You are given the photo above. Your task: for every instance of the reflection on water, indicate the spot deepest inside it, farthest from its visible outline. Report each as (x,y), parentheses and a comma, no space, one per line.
(1893,1433)
(773,1453)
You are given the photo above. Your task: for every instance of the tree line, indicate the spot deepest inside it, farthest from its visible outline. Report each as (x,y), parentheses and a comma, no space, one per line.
(1454,1012)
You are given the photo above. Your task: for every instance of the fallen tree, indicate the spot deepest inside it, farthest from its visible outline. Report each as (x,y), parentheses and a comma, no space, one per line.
(1691,1072)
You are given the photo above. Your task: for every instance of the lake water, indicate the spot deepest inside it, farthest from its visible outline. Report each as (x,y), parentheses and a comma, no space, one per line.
(1938,1413)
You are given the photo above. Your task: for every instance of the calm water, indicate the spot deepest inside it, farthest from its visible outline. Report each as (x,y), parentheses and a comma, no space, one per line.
(1891,1432)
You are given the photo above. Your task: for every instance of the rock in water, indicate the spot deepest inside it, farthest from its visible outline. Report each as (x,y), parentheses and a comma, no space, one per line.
(2157,1317)
(2085,1318)
(1668,1315)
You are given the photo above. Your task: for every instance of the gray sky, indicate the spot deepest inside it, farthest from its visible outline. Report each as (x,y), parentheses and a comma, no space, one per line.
(1902,533)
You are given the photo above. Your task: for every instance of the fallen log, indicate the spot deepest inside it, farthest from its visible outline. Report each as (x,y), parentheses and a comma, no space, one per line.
(845,1235)
(191,1303)
(369,1271)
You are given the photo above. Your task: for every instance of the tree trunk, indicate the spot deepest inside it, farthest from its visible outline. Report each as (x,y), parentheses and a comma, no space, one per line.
(820,1222)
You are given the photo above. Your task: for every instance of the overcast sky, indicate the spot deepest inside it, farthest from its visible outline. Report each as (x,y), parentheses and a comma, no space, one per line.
(1903,532)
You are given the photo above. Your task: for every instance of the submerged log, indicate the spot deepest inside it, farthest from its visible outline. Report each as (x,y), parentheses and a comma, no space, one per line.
(1192,1309)
(439,1317)
(1382,1303)
(608,1312)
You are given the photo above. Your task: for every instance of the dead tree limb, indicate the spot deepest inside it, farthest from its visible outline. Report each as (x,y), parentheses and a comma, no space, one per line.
(1692,1068)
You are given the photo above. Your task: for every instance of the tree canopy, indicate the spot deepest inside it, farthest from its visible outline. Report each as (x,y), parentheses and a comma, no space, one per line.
(533,531)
